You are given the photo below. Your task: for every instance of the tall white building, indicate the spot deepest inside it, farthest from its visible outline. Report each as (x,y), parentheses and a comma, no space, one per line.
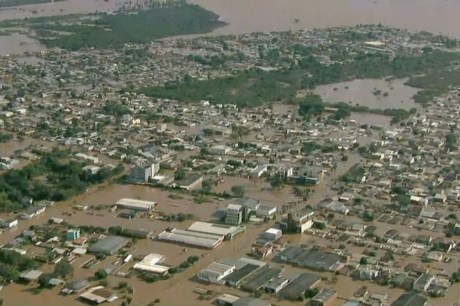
(234,215)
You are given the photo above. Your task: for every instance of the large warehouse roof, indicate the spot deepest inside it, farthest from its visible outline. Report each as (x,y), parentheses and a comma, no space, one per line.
(136,204)
(211,228)
(192,238)
(108,245)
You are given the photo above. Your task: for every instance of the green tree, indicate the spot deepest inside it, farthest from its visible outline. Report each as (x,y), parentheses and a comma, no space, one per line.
(276,181)
(44,279)
(100,274)
(363,260)
(179,174)
(63,269)
(238,190)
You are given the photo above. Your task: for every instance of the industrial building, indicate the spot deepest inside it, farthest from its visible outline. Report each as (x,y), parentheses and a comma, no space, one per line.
(191,238)
(150,263)
(411,299)
(215,273)
(108,245)
(311,259)
(298,284)
(135,204)
(259,278)
(98,295)
(191,182)
(228,232)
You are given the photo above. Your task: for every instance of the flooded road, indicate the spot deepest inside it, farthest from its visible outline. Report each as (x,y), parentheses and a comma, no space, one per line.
(243,16)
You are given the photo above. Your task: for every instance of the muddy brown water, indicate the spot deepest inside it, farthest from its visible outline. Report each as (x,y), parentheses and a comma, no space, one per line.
(375,94)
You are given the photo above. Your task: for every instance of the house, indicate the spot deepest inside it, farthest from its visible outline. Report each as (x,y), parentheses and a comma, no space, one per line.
(219,150)
(259,171)
(33,211)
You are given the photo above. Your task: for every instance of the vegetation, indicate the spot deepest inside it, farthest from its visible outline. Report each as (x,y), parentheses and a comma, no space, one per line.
(12,263)
(254,87)
(116,30)
(5,137)
(238,191)
(52,177)
(354,175)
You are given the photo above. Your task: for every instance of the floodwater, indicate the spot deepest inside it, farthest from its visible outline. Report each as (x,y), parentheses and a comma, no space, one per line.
(17,44)
(60,8)
(244,16)
(375,94)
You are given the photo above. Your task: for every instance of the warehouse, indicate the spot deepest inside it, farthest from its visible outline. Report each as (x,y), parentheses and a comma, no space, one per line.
(150,263)
(259,278)
(134,204)
(196,239)
(228,232)
(298,285)
(108,245)
(215,273)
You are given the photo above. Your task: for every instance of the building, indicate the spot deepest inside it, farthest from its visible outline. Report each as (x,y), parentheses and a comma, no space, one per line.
(259,171)
(150,263)
(411,299)
(92,159)
(266,211)
(250,301)
(108,245)
(9,223)
(31,275)
(422,283)
(72,234)
(135,204)
(33,211)
(234,214)
(310,258)
(307,176)
(228,232)
(298,284)
(196,239)
(75,286)
(143,173)
(191,182)
(272,234)
(325,297)
(276,285)
(260,277)
(250,207)
(219,150)
(297,222)
(98,295)
(215,273)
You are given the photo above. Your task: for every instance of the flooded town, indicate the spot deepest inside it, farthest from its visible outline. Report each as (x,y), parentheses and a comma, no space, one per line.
(176,153)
